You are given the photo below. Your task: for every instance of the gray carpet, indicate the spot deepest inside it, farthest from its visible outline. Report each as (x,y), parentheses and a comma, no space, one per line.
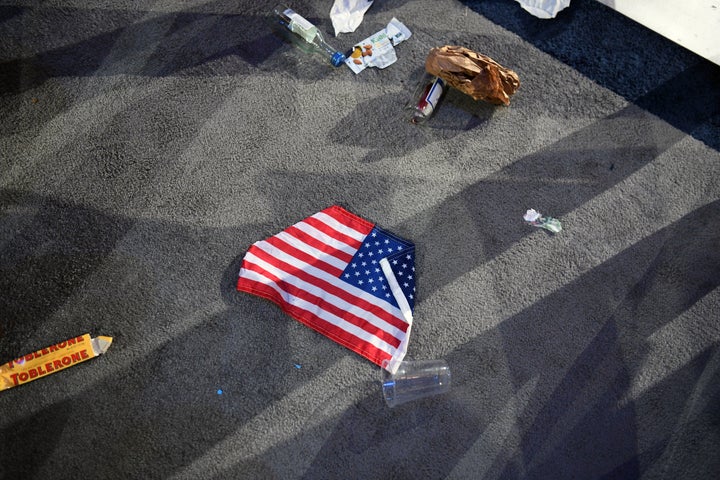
(145,146)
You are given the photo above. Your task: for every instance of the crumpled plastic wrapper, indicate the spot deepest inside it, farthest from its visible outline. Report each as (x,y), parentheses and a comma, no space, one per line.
(472,73)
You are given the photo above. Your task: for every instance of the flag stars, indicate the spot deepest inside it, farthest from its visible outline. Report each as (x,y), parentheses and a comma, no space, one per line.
(365,272)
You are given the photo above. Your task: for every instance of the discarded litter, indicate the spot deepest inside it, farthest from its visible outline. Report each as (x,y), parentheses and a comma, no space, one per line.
(347,15)
(51,359)
(473,74)
(306,35)
(342,276)
(378,50)
(427,96)
(544,8)
(414,380)
(535,219)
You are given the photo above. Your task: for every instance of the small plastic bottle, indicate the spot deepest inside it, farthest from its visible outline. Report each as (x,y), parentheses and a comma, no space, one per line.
(308,32)
(535,218)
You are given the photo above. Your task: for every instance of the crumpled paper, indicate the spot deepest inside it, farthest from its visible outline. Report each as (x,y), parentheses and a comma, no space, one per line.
(544,8)
(472,73)
(347,15)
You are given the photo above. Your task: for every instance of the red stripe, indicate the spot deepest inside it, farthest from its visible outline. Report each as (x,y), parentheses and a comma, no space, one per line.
(330,288)
(326,229)
(304,257)
(317,244)
(327,306)
(349,219)
(342,337)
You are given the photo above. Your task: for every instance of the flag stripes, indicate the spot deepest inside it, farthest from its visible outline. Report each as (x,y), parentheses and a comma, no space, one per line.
(299,270)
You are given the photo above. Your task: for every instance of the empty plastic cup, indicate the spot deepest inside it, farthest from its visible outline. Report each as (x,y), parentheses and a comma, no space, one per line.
(414,380)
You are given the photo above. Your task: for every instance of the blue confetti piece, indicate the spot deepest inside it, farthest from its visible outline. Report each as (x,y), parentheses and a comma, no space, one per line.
(219,392)
(298,366)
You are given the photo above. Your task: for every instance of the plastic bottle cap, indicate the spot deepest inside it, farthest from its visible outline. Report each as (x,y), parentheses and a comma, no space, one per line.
(338,59)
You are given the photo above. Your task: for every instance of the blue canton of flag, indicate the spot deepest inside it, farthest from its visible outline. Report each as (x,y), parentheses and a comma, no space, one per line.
(365,270)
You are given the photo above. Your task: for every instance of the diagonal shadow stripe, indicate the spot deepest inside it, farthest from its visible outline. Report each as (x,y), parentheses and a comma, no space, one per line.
(613,51)
(47,250)
(685,269)
(107,42)
(486,217)
(583,352)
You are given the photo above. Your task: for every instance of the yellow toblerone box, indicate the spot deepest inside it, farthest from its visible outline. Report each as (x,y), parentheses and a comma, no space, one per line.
(51,359)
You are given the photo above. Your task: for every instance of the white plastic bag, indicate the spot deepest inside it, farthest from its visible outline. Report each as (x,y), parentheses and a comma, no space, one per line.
(544,8)
(347,15)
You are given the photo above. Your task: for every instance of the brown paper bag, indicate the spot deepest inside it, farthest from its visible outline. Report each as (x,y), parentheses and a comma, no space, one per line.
(477,75)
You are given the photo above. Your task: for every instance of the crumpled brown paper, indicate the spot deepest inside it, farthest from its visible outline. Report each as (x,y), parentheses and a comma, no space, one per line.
(472,73)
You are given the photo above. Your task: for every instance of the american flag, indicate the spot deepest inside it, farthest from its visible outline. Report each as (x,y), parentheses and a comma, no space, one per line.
(342,276)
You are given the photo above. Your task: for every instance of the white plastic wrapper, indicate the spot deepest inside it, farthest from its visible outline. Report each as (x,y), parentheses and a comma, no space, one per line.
(347,15)
(544,8)
(378,50)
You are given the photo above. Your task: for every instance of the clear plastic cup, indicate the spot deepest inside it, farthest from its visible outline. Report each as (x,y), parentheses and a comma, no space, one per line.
(414,380)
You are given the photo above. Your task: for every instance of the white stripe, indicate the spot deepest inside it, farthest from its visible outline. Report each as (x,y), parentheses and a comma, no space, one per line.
(310,250)
(320,313)
(333,299)
(326,239)
(342,228)
(335,281)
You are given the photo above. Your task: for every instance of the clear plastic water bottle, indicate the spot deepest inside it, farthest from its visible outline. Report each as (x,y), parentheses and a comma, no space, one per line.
(308,32)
